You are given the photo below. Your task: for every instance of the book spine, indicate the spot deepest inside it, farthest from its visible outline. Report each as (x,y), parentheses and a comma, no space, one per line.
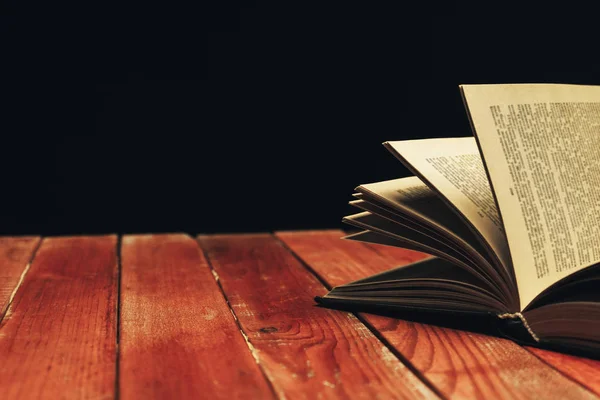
(516,322)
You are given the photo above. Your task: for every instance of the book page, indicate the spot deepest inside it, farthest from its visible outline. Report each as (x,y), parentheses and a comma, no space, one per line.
(453,167)
(375,223)
(410,198)
(368,236)
(541,145)
(410,195)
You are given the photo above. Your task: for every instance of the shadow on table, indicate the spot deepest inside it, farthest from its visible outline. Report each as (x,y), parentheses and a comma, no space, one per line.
(486,323)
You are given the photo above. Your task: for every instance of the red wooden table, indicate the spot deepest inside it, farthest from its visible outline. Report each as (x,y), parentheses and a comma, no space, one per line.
(233,316)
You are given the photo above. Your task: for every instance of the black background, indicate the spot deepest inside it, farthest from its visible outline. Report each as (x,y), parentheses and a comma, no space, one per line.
(245,117)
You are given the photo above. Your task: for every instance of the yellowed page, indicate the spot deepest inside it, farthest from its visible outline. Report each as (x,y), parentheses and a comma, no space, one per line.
(411,195)
(454,168)
(541,145)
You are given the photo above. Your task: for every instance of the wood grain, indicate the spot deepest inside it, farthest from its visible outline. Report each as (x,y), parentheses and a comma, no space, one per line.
(337,254)
(178,338)
(58,338)
(460,364)
(15,254)
(306,351)
(583,370)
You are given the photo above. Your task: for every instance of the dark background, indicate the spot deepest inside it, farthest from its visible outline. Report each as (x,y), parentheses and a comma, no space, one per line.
(245,117)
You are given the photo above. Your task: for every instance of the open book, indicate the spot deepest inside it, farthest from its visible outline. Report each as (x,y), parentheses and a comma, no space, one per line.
(511,218)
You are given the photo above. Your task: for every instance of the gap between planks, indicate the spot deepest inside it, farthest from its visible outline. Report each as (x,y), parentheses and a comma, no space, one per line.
(369,326)
(118,319)
(6,311)
(251,348)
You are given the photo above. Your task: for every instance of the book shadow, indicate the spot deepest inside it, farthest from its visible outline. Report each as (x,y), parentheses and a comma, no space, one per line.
(486,323)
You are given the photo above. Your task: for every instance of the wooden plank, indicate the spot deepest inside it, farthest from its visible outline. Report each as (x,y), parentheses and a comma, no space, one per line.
(15,255)
(460,364)
(178,338)
(58,338)
(306,351)
(583,370)
(338,268)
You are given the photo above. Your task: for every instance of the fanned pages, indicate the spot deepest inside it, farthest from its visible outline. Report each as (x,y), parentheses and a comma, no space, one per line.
(453,168)
(541,144)
(511,218)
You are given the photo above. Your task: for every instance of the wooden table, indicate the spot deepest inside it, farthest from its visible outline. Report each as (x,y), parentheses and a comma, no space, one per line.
(233,316)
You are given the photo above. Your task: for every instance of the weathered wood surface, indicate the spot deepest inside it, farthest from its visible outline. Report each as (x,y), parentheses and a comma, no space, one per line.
(460,364)
(15,255)
(583,370)
(305,351)
(58,338)
(178,338)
